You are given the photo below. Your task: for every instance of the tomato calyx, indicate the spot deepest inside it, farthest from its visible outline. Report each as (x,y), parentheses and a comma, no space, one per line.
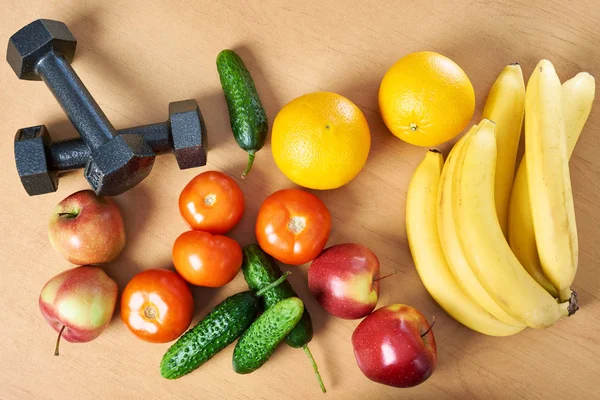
(210,199)
(296,224)
(150,312)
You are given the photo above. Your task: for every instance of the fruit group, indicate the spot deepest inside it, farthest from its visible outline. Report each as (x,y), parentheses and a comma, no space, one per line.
(426,99)
(505,106)
(204,259)
(157,305)
(212,202)
(79,303)
(549,179)
(448,237)
(345,280)
(578,96)
(320,140)
(395,346)
(293,226)
(429,258)
(87,229)
(484,244)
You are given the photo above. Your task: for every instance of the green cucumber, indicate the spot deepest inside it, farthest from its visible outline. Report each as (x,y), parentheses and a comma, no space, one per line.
(247,116)
(259,342)
(261,270)
(221,327)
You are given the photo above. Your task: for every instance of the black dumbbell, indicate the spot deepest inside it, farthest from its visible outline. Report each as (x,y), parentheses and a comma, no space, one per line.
(39,161)
(43,50)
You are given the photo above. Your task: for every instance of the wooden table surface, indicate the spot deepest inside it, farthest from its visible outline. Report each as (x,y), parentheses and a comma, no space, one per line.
(137,56)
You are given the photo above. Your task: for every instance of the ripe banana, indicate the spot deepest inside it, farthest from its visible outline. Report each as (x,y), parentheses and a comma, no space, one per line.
(548,177)
(483,242)
(451,245)
(505,106)
(578,96)
(421,226)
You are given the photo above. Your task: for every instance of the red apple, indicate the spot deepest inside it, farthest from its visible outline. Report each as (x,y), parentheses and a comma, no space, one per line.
(395,346)
(79,303)
(345,280)
(87,229)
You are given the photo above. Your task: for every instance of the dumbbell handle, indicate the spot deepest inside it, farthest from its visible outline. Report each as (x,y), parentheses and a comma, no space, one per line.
(74,153)
(76,101)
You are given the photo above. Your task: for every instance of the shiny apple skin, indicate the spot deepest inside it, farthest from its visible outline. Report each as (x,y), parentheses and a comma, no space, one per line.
(87,229)
(389,349)
(343,279)
(82,299)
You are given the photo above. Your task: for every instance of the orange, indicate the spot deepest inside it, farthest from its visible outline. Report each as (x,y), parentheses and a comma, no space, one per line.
(320,140)
(426,99)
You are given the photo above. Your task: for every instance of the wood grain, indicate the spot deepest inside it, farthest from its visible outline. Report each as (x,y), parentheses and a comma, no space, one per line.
(137,56)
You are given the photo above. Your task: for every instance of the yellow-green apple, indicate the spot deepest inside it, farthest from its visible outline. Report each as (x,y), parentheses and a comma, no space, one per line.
(345,280)
(395,346)
(87,229)
(79,303)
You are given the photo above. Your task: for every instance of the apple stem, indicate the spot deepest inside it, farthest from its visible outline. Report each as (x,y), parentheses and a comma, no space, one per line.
(430,327)
(315,367)
(58,339)
(385,276)
(273,284)
(67,214)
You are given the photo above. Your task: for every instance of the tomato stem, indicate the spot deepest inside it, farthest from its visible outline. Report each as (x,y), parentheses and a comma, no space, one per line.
(273,284)
(58,339)
(315,367)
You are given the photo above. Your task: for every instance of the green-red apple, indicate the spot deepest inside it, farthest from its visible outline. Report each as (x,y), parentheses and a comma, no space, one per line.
(87,229)
(395,346)
(345,280)
(79,303)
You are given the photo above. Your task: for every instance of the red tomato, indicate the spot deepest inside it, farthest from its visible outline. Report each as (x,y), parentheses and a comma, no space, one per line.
(212,202)
(157,305)
(293,226)
(204,259)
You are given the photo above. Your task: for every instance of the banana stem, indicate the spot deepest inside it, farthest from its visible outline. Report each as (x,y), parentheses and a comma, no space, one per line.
(251,155)
(315,367)
(273,284)
(58,339)
(573,306)
(565,294)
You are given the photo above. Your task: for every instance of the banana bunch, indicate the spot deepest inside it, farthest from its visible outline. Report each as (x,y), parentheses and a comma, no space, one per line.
(498,252)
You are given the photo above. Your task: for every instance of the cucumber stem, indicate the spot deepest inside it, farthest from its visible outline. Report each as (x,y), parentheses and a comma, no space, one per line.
(58,339)
(273,284)
(315,367)
(251,155)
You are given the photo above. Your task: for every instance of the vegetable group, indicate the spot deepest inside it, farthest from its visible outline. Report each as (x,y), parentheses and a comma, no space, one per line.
(247,116)
(157,305)
(293,226)
(260,270)
(212,202)
(206,260)
(259,342)
(225,323)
